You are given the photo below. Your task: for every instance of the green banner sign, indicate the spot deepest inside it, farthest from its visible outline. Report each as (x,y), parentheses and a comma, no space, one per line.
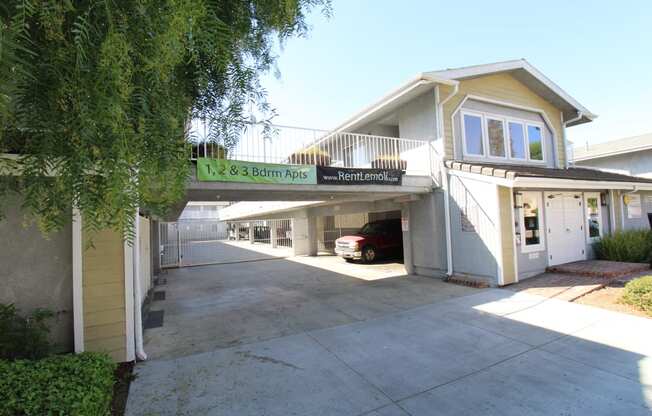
(238,171)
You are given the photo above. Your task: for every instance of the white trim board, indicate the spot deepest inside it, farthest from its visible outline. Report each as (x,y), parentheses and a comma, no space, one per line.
(129,301)
(77,281)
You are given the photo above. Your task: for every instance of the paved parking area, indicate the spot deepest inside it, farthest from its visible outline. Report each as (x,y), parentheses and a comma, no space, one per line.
(494,352)
(223,305)
(285,338)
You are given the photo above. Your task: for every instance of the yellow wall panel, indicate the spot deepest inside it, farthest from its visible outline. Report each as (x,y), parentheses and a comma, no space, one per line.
(104,294)
(112,330)
(501,87)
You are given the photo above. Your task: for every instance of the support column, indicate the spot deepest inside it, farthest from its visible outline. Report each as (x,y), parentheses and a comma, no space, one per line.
(273,234)
(304,234)
(313,246)
(406,226)
(251,232)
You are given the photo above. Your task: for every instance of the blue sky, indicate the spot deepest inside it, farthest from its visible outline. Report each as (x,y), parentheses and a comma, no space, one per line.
(600,52)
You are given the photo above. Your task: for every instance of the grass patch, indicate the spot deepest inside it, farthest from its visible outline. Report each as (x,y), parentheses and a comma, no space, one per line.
(638,293)
(57,385)
(629,246)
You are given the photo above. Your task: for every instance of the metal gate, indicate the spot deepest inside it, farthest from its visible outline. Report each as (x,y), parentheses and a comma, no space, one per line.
(200,242)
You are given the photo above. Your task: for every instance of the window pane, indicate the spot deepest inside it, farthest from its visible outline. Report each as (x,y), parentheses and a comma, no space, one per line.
(517,140)
(473,134)
(593,216)
(531,216)
(496,133)
(534,139)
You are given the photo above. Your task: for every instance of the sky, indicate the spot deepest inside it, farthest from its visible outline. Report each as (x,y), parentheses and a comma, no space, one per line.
(600,52)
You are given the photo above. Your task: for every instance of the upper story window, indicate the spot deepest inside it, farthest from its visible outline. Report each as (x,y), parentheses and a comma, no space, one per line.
(473,135)
(503,138)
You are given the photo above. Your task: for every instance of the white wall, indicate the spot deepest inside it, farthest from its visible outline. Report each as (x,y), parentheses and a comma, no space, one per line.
(634,164)
(480,201)
(416,119)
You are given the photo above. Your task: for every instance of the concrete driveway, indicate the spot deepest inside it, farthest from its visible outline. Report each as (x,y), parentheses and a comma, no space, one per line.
(223,305)
(399,346)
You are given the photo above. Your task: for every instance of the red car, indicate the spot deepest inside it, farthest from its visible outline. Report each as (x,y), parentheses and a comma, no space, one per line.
(374,240)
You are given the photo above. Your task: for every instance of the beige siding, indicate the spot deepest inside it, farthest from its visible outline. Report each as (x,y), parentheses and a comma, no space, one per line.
(501,87)
(506,234)
(104,294)
(145,256)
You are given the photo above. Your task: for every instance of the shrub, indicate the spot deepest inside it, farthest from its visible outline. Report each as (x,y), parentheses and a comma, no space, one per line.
(24,337)
(638,292)
(58,385)
(632,246)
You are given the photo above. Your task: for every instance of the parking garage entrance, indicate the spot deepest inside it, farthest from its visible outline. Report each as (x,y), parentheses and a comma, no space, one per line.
(202,242)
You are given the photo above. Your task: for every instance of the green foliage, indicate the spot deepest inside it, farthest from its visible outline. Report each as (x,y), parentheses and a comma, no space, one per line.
(58,385)
(98,96)
(631,246)
(24,337)
(638,292)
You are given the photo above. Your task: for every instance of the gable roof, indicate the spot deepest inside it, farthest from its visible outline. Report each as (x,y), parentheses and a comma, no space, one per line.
(614,147)
(523,71)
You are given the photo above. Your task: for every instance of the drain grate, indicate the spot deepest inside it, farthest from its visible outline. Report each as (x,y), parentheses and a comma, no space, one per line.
(154,319)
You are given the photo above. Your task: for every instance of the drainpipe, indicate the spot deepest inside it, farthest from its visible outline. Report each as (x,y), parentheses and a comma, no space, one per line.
(563,132)
(447,217)
(444,176)
(138,317)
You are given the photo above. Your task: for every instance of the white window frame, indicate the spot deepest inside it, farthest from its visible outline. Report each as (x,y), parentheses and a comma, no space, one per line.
(482,129)
(543,141)
(596,195)
(486,153)
(525,141)
(486,127)
(521,219)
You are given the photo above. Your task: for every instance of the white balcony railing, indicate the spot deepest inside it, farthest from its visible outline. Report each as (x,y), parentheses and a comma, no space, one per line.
(295,145)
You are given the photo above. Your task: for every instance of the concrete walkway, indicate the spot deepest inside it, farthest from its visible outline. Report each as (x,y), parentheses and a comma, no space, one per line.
(491,352)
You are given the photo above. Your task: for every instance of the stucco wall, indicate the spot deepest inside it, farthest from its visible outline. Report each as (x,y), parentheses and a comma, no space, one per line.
(479,201)
(416,119)
(36,271)
(428,234)
(635,164)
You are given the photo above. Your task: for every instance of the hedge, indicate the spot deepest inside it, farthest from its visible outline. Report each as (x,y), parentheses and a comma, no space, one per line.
(638,293)
(75,385)
(632,246)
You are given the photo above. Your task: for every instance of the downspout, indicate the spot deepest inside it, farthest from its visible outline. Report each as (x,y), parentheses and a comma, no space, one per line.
(138,317)
(563,132)
(444,181)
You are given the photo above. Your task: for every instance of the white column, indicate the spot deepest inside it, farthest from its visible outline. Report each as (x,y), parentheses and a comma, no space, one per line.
(251,232)
(273,233)
(77,281)
(406,226)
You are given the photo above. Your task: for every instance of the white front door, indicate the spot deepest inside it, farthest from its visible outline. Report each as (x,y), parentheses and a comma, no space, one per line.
(565,227)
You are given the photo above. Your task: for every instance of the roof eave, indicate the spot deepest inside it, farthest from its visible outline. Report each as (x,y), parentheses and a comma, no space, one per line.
(369,111)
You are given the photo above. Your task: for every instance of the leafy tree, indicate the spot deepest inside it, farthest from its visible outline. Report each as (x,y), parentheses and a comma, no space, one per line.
(97,96)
